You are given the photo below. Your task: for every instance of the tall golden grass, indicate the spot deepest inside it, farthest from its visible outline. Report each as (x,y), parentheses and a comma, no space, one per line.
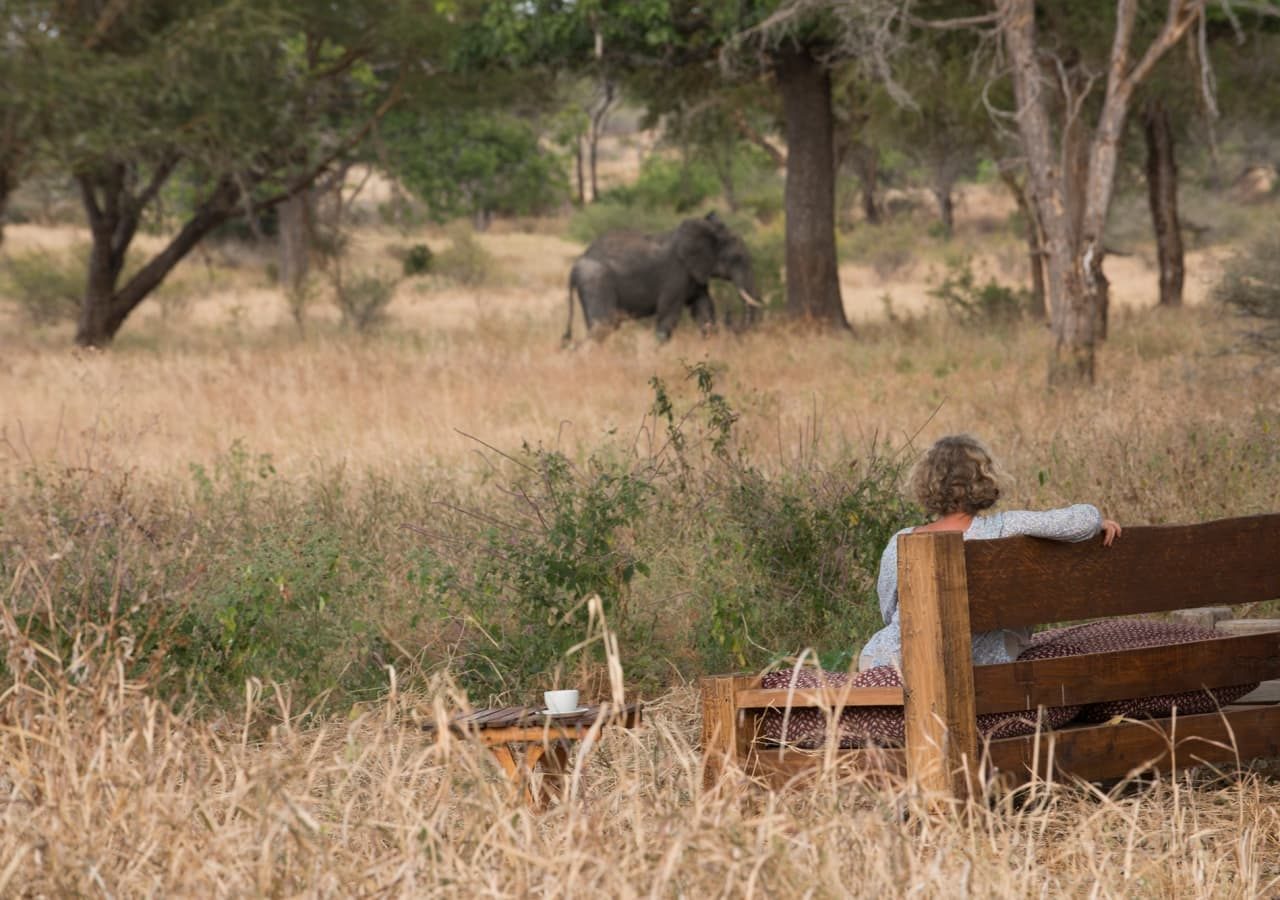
(104,790)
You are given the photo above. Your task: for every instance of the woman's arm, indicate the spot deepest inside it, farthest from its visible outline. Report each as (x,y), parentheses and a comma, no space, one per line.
(1071,523)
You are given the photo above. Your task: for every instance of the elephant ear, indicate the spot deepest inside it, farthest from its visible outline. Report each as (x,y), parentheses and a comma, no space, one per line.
(695,246)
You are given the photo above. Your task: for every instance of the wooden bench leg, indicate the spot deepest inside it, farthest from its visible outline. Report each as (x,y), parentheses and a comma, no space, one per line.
(937,663)
(726,736)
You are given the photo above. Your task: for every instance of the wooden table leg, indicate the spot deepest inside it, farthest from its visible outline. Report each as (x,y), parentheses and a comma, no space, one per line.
(502,753)
(556,764)
(539,773)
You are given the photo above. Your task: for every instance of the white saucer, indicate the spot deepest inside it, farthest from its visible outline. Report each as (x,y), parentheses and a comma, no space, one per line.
(571,712)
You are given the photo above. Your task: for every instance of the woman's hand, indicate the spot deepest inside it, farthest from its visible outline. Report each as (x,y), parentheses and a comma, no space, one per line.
(1110,531)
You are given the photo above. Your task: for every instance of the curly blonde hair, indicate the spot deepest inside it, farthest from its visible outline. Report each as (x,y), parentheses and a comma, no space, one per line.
(956,474)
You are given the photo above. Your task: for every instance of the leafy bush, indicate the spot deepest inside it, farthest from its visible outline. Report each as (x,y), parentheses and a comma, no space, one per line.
(417,260)
(667,182)
(776,565)
(700,562)
(596,219)
(975,305)
(1250,285)
(363,299)
(466,261)
(48,285)
(473,164)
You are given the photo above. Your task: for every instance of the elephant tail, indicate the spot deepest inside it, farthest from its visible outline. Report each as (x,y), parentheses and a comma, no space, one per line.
(568,328)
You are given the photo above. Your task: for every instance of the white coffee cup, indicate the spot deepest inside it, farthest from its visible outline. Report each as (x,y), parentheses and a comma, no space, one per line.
(560,701)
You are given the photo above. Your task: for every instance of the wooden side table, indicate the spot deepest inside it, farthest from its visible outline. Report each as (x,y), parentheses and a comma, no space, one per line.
(525,741)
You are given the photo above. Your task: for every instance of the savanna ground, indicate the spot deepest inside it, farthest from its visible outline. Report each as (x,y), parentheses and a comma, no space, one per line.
(242,560)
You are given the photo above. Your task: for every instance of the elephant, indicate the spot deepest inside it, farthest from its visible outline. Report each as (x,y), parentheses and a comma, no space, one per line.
(627,274)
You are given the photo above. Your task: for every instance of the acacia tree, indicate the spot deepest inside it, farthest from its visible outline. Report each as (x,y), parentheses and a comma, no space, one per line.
(1071,192)
(231,108)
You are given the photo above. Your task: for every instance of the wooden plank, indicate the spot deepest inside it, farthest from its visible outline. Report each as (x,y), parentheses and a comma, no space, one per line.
(1021,581)
(937,665)
(1106,751)
(719,728)
(1120,675)
(780,767)
(783,698)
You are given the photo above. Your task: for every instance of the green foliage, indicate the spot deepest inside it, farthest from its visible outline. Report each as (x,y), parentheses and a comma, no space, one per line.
(417,260)
(465,261)
(596,219)
(812,545)
(474,163)
(680,185)
(979,305)
(1250,285)
(700,562)
(48,285)
(538,570)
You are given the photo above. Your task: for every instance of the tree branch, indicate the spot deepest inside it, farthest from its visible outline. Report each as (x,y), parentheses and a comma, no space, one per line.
(302,183)
(1175,27)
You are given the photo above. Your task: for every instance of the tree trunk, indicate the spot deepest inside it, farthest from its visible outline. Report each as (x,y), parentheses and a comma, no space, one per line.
(598,116)
(813,281)
(866,162)
(113,219)
(1162,192)
(1035,241)
(296,232)
(946,208)
(577,165)
(6,188)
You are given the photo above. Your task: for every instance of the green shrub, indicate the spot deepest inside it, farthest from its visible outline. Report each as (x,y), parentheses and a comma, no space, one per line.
(417,260)
(48,285)
(979,305)
(1250,285)
(475,163)
(465,261)
(363,299)
(668,182)
(701,562)
(596,219)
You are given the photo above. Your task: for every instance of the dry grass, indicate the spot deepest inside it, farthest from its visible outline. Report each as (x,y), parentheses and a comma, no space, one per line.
(103,790)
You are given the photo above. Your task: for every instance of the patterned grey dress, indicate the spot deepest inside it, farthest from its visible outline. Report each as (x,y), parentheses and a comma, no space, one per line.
(1072,523)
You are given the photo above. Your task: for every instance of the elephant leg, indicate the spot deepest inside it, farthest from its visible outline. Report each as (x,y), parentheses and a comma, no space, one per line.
(669,312)
(704,311)
(599,300)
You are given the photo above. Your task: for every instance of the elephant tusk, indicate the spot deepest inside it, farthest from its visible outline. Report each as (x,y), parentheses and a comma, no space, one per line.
(749,300)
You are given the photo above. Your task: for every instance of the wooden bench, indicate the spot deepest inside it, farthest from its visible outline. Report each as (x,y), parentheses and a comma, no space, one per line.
(949,588)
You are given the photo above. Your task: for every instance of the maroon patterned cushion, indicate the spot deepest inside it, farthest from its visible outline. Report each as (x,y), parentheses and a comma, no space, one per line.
(1131,634)
(861,726)
(883,725)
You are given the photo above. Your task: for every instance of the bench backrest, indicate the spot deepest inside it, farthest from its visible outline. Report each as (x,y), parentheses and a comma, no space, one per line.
(949,588)
(1021,581)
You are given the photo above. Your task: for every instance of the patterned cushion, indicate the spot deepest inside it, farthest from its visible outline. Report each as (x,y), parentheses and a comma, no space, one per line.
(883,725)
(861,726)
(1131,634)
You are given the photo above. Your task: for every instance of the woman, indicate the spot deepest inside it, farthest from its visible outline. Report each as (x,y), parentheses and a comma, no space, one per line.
(954,481)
